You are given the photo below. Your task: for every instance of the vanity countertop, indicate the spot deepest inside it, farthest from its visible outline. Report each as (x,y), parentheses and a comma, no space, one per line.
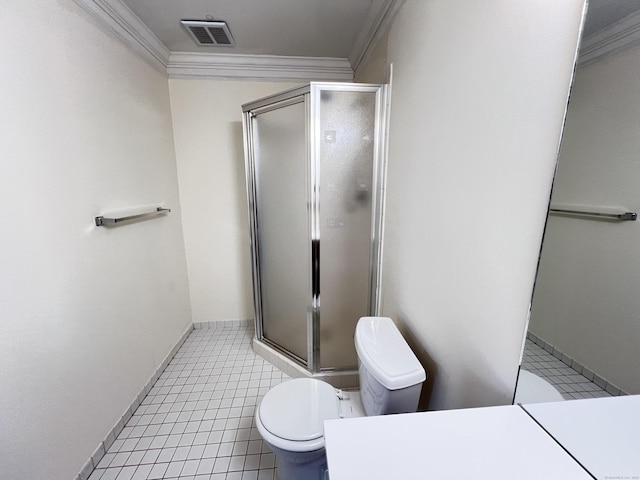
(497,443)
(603,434)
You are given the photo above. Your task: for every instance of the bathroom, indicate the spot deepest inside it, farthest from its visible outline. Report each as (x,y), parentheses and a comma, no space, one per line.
(89,314)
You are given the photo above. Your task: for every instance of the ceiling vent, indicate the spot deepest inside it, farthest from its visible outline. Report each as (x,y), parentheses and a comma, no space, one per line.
(209,33)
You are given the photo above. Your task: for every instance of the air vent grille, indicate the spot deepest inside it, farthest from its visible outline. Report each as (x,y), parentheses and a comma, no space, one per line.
(209,33)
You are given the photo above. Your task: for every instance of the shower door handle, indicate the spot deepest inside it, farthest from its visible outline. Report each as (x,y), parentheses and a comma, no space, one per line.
(315,272)
(313,338)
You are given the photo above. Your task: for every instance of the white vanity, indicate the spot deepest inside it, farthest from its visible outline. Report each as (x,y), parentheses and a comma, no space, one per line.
(603,434)
(580,439)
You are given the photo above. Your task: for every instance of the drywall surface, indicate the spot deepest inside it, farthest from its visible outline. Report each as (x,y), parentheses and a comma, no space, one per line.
(586,302)
(479,95)
(207,119)
(86,313)
(375,69)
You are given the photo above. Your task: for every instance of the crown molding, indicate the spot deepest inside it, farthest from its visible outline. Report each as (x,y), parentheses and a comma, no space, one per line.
(258,67)
(372,33)
(611,40)
(128,28)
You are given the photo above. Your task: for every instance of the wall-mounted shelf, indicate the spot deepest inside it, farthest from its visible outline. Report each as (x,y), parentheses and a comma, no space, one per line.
(103,221)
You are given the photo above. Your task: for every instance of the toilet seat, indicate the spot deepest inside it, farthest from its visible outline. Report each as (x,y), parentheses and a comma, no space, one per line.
(291,415)
(533,389)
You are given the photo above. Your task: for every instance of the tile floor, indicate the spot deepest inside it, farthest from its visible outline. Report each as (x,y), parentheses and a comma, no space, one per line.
(571,384)
(197,422)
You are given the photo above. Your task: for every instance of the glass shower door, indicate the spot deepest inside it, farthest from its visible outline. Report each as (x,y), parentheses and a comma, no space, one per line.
(346,127)
(283,240)
(314,158)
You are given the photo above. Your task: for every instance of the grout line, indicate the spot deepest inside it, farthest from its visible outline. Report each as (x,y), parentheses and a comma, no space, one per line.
(229,323)
(572,363)
(103,447)
(197,419)
(570,383)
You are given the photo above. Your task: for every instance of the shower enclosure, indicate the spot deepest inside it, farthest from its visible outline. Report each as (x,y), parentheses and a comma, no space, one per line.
(314,184)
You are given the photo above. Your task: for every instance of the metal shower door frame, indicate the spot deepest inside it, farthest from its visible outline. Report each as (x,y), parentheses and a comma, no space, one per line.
(310,95)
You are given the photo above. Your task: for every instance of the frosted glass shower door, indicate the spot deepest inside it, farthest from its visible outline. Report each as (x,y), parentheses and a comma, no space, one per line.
(314,157)
(346,127)
(282,204)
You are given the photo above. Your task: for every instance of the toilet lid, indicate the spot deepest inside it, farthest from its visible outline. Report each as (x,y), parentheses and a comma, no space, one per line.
(296,409)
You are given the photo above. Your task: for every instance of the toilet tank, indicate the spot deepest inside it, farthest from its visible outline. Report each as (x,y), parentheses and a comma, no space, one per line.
(391,376)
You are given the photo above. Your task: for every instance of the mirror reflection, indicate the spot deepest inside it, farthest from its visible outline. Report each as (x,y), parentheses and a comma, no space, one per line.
(584,329)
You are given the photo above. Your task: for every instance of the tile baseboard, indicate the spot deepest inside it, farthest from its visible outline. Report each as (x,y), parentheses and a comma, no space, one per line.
(577,366)
(102,448)
(224,323)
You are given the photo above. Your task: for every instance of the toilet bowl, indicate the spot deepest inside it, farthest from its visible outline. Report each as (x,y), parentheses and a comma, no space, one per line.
(290,420)
(290,417)
(533,389)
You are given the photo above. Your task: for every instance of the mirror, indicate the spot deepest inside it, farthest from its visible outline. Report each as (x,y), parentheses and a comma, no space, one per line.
(584,329)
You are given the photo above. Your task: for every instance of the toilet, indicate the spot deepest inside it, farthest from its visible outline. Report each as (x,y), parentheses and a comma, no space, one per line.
(533,389)
(290,417)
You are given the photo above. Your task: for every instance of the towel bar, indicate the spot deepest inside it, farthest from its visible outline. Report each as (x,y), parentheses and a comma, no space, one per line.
(626,216)
(101,221)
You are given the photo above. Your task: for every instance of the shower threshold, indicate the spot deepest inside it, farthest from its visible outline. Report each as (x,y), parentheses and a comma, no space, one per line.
(347,379)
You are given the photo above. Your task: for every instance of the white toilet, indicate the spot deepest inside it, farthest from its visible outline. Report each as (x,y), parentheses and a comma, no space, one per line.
(291,415)
(533,389)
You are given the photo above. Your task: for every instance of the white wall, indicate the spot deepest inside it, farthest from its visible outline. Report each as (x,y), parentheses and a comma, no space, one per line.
(86,314)
(479,93)
(207,118)
(376,67)
(586,302)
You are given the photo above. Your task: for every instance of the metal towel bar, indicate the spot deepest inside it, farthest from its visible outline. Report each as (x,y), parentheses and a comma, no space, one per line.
(101,221)
(630,216)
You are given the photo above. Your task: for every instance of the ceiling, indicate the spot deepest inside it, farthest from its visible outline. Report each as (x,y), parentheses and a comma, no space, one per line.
(604,13)
(306,28)
(301,40)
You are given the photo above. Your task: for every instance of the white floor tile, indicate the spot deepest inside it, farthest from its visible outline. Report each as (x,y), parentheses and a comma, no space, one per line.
(570,383)
(197,421)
